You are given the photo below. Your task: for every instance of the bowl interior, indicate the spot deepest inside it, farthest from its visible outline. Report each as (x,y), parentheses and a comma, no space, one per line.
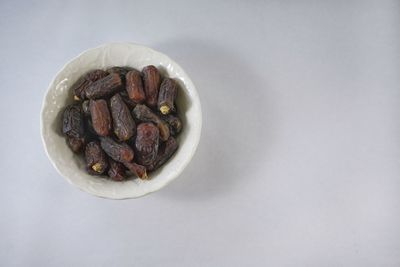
(59,95)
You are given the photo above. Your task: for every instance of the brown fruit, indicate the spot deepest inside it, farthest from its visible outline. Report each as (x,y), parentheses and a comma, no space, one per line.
(143,113)
(73,124)
(96,159)
(167,96)
(104,87)
(120,152)
(134,86)
(116,170)
(151,81)
(82,84)
(165,152)
(146,144)
(101,118)
(124,125)
(138,170)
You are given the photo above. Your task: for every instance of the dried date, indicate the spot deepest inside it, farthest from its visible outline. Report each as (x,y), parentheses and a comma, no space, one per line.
(138,170)
(120,152)
(124,125)
(167,96)
(96,159)
(73,124)
(175,124)
(104,87)
(143,113)
(116,170)
(146,144)
(101,118)
(134,86)
(151,80)
(165,152)
(81,86)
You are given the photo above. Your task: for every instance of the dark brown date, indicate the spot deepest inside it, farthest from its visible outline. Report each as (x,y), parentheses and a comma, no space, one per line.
(96,159)
(146,143)
(124,125)
(73,125)
(138,170)
(120,152)
(120,70)
(134,86)
(100,117)
(175,124)
(76,144)
(165,152)
(81,86)
(167,96)
(104,87)
(151,80)
(143,113)
(116,170)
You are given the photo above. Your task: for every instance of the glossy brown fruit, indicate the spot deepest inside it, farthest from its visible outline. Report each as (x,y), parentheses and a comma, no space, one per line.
(134,86)
(151,81)
(124,125)
(101,118)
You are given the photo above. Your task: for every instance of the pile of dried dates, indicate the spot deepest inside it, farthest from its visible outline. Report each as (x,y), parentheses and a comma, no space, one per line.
(123,121)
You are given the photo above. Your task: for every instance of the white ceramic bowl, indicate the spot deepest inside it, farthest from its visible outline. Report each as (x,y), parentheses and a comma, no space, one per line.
(71,166)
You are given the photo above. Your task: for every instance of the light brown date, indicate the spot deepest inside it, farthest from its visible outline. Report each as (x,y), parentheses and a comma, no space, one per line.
(134,86)
(101,119)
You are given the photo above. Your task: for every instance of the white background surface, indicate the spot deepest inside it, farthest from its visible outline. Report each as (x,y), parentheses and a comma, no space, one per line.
(299,159)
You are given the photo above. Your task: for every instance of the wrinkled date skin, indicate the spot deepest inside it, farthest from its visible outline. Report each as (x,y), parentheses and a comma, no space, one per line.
(138,170)
(81,86)
(124,125)
(165,152)
(151,80)
(104,87)
(76,144)
(96,159)
(134,86)
(175,124)
(143,113)
(101,118)
(167,96)
(73,124)
(116,170)
(146,143)
(120,152)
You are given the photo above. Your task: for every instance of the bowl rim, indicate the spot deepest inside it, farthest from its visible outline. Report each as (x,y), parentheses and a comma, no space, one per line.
(182,165)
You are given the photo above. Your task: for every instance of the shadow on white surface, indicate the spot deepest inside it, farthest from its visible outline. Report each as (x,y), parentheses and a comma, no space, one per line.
(235,101)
